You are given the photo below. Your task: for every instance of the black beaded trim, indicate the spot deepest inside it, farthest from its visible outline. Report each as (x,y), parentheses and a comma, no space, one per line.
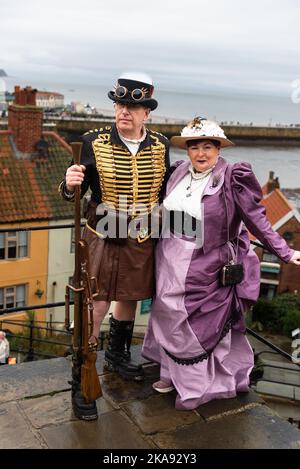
(205,355)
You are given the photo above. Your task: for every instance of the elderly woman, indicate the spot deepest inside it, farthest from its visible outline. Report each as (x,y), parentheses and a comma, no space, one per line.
(208,278)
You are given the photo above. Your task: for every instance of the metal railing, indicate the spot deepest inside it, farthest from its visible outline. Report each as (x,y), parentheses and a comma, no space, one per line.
(38,228)
(71,225)
(62,303)
(258,373)
(31,351)
(270,344)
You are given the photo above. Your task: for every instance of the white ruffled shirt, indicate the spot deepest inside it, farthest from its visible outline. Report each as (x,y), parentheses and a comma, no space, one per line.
(133,145)
(178,200)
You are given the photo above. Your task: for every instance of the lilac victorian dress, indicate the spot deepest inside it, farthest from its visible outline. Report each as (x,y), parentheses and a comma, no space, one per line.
(196,329)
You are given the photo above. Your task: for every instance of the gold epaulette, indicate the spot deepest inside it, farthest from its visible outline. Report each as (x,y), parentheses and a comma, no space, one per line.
(157,133)
(107,127)
(91,131)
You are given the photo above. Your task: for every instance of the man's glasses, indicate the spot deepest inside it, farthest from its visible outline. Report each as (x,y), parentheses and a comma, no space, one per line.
(136,94)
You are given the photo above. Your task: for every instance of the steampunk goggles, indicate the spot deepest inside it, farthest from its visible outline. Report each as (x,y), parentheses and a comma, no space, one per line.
(136,94)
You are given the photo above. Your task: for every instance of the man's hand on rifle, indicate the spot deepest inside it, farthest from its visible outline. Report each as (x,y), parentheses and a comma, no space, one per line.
(74,176)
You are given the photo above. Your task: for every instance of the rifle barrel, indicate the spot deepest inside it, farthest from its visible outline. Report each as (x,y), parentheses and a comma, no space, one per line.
(76,150)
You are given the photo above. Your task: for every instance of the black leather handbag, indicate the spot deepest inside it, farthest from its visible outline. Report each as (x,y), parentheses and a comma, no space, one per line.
(231,273)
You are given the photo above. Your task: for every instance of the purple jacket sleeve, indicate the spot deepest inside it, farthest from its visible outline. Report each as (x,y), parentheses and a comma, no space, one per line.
(247,196)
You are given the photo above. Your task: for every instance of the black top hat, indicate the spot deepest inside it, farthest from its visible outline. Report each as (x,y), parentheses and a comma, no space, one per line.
(129,91)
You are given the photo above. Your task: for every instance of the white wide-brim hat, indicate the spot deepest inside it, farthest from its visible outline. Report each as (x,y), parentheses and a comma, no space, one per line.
(201,129)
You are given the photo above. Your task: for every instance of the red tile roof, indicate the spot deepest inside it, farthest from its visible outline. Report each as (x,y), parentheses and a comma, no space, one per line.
(277,206)
(29,188)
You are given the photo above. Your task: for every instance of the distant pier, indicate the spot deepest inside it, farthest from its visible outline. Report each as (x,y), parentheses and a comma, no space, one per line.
(239,133)
(259,134)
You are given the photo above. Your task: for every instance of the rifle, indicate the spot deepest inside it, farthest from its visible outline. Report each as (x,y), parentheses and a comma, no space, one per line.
(84,353)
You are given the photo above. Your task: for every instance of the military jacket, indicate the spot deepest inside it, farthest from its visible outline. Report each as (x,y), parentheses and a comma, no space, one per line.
(117,177)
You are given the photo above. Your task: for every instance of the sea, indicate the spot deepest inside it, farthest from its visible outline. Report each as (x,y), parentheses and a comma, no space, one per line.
(224,106)
(283,160)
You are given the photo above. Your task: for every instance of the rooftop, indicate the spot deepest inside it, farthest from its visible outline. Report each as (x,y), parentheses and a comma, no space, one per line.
(29,190)
(277,206)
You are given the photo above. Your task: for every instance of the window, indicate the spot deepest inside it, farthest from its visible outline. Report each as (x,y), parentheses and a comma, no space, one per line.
(12,297)
(269,257)
(267,291)
(288,235)
(13,245)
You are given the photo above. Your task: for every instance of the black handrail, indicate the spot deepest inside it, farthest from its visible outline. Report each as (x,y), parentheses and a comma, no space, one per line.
(38,228)
(32,307)
(71,225)
(40,328)
(272,346)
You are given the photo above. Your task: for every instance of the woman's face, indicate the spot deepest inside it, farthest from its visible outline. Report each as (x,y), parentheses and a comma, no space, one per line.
(203,155)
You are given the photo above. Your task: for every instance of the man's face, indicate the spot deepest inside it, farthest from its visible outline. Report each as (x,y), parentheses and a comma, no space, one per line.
(130,117)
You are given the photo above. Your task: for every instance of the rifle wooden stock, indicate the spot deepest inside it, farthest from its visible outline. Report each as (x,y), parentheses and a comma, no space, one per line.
(83,304)
(90,385)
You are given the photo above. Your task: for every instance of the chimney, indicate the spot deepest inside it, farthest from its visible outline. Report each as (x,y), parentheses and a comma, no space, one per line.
(25,119)
(272,183)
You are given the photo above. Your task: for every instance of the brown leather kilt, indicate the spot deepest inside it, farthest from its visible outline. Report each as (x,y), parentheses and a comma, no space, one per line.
(124,271)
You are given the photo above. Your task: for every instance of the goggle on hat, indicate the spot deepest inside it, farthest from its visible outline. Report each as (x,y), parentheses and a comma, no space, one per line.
(136,89)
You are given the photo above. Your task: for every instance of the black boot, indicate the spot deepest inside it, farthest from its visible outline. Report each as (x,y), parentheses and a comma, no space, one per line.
(117,357)
(82,410)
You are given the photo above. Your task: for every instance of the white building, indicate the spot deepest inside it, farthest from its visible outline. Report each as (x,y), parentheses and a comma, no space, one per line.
(60,267)
(49,100)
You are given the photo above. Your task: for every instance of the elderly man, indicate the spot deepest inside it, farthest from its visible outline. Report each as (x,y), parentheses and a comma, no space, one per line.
(4,348)
(125,166)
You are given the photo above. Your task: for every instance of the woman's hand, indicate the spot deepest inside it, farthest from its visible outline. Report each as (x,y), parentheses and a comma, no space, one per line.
(295,259)
(74,176)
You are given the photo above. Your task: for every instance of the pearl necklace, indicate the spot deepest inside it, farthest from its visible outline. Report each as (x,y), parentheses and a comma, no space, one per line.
(196,177)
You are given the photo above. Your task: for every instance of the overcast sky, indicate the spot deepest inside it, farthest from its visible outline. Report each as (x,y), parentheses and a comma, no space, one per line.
(234,44)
